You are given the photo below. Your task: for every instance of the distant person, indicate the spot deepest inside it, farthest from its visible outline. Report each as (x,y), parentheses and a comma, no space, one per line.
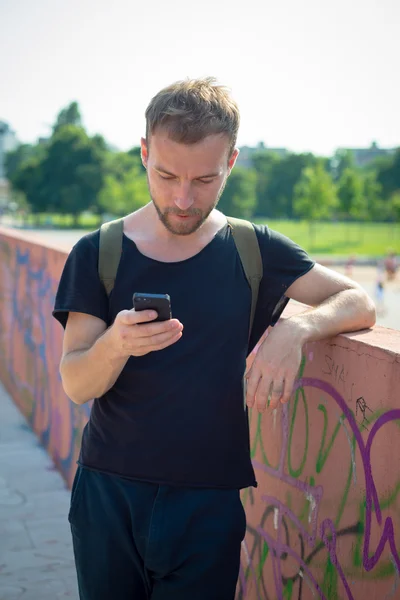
(391,265)
(155,506)
(380,288)
(349,266)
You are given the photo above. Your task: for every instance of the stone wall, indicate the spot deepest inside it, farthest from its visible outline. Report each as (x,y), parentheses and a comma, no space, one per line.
(324,521)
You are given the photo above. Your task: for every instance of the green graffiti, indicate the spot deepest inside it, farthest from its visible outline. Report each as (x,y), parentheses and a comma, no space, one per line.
(323,452)
(258,441)
(321,561)
(297,472)
(288,590)
(330,582)
(264,556)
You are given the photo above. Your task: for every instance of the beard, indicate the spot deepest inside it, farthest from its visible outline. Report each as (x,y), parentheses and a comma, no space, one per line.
(196,216)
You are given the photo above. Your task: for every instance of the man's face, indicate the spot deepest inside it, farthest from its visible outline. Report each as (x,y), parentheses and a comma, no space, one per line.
(186,181)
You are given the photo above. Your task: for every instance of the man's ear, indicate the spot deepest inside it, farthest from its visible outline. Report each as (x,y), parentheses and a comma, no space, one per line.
(232,160)
(144,152)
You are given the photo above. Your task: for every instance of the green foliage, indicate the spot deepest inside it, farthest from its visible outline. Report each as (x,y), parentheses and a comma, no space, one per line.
(350,192)
(72,171)
(136,153)
(315,194)
(118,164)
(124,192)
(22,154)
(264,163)
(340,162)
(277,178)
(389,174)
(372,191)
(28,180)
(395,206)
(239,196)
(68,116)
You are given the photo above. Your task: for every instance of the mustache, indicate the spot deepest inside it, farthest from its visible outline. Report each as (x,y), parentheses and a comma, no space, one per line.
(192,212)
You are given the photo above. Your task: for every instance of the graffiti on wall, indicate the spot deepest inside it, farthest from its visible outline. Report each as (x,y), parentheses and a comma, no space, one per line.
(30,348)
(325,521)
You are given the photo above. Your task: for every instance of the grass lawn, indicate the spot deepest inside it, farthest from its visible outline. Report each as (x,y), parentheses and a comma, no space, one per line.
(340,239)
(361,239)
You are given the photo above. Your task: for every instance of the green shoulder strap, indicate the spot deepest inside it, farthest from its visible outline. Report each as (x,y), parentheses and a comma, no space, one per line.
(110,248)
(248,249)
(243,234)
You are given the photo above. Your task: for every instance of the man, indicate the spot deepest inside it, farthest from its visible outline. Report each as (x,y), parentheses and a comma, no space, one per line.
(155,508)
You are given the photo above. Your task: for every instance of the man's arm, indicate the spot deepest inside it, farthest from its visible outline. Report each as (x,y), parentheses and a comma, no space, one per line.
(338,305)
(94,356)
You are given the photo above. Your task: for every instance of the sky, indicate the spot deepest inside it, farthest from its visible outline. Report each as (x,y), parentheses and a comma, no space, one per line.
(308,75)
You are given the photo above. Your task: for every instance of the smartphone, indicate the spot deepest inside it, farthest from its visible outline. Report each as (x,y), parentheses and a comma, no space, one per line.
(161,303)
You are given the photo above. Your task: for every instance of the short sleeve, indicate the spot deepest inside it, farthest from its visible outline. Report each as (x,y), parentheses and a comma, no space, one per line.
(284,261)
(80,288)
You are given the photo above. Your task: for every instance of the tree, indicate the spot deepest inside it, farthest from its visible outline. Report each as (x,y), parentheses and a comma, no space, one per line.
(68,116)
(263,163)
(28,179)
(395,206)
(118,164)
(315,196)
(284,178)
(136,154)
(350,192)
(124,193)
(15,159)
(276,180)
(342,159)
(239,196)
(389,174)
(72,171)
(372,191)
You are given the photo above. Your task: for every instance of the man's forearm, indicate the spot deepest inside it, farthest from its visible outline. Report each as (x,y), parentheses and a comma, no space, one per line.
(90,373)
(349,310)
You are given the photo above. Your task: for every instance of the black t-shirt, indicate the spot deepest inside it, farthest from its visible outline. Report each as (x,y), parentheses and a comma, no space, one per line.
(177,416)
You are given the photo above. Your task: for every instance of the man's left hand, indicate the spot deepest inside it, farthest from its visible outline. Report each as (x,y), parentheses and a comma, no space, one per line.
(275,367)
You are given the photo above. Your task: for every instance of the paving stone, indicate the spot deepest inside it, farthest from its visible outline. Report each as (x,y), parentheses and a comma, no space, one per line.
(36,557)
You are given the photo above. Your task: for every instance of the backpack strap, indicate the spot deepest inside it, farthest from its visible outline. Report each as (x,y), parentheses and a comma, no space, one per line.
(244,236)
(110,248)
(246,242)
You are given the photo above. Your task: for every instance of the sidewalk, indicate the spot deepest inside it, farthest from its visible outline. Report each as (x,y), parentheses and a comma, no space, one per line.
(36,560)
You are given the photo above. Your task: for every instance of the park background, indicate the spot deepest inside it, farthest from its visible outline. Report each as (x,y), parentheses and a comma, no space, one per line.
(318,90)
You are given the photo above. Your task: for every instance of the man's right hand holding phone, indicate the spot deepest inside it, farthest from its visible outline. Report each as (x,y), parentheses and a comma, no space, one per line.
(133,333)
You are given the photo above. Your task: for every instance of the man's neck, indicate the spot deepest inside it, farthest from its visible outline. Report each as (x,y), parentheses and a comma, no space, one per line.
(155,241)
(149,222)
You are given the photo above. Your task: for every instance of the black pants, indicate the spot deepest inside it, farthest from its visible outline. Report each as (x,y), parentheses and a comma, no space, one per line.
(136,541)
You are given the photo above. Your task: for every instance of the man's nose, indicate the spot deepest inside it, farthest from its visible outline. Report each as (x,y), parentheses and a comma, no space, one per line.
(184,196)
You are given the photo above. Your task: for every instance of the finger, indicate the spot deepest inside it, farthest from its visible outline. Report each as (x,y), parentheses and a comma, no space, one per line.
(252,380)
(154,341)
(145,330)
(277,392)
(262,394)
(289,384)
(131,317)
(167,343)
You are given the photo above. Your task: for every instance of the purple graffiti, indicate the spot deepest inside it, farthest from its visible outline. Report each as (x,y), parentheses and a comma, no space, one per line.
(242,576)
(327,528)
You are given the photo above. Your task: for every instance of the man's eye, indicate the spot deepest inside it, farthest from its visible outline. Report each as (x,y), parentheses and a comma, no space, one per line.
(206,180)
(167,178)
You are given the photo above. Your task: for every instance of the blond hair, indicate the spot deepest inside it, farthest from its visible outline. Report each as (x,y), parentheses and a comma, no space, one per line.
(193,109)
